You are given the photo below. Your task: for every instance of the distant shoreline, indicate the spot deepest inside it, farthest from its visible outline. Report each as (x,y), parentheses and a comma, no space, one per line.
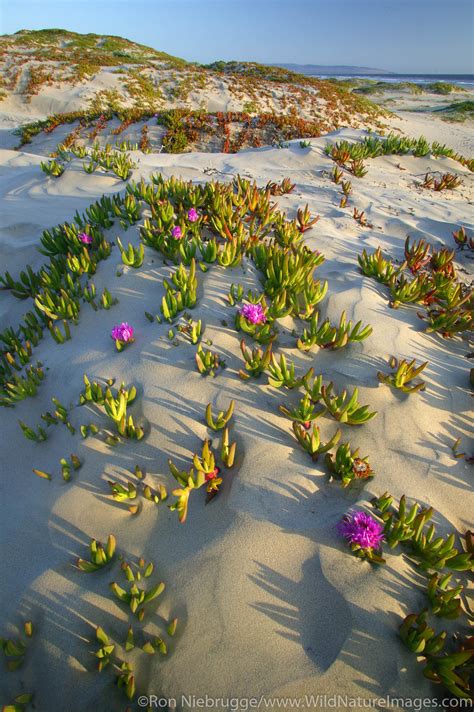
(465,80)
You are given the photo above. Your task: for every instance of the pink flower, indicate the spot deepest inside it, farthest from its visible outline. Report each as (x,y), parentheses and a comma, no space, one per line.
(177,233)
(193,215)
(361,529)
(123,332)
(85,238)
(253,313)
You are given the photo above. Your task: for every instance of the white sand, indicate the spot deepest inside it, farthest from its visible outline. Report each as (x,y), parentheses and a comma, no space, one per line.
(269,600)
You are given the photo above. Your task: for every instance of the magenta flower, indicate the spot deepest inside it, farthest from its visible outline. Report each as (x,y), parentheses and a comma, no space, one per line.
(177,233)
(253,313)
(193,215)
(362,530)
(85,238)
(123,333)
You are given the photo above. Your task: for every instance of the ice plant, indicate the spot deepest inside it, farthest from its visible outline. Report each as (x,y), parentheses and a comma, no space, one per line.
(256,361)
(254,319)
(347,466)
(177,233)
(311,442)
(192,215)
(106,649)
(364,535)
(136,597)
(122,335)
(100,555)
(254,313)
(85,238)
(222,418)
(345,408)
(403,373)
(408,526)
(304,413)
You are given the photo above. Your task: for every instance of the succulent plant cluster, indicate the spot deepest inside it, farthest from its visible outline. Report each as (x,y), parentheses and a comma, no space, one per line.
(347,466)
(283,188)
(256,360)
(181,291)
(328,336)
(100,555)
(403,373)
(311,441)
(373,146)
(52,168)
(129,493)
(132,256)
(221,419)
(346,408)
(56,291)
(448,181)
(17,387)
(67,465)
(462,240)
(204,470)
(408,526)
(208,362)
(115,403)
(136,596)
(304,413)
(426,277)
(38,436)
(191,330)
(451,669)
(107,158)
(359,216)
(282,373)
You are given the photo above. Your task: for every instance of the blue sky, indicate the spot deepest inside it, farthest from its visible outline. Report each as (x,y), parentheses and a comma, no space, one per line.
(431,36)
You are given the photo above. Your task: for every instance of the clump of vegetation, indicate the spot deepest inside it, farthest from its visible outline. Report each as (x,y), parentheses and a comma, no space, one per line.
(448,181)
(52,168)
(376,266)
(208,362)
(457,111)
(443,88)
(347,466)
(256,360)
(345,408)
(460,238)
(311,441)
(99,555)
(403,373)
(371,147)
(222,419)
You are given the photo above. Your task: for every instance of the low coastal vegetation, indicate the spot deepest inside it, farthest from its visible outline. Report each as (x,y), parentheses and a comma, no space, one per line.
(457,111)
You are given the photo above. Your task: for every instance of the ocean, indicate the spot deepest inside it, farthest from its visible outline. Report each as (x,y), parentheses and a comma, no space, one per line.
(464,80)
